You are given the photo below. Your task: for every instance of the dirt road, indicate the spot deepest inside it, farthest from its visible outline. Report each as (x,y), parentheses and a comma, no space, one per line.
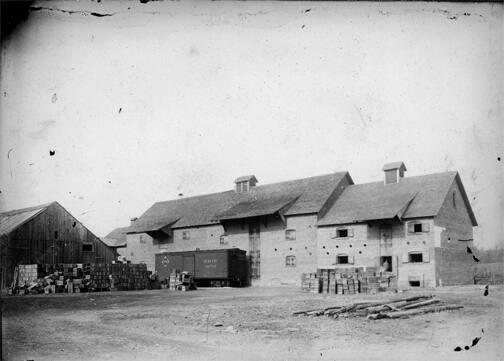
(243,324)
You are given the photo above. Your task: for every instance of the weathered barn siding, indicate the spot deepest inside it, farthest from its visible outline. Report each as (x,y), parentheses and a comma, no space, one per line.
(52,236)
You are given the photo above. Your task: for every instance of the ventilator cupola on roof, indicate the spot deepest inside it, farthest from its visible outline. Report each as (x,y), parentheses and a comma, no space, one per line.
(394,172)
(243,184)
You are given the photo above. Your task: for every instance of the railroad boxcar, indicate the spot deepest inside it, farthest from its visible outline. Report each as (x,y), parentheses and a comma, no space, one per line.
(208,267)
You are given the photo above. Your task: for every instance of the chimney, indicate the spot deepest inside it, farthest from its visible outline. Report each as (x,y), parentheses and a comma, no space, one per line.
(133,220)
(245,183)
(394,172)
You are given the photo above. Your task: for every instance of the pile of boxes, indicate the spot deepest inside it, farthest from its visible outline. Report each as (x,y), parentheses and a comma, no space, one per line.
(181,281)
(350,280)
(310,282)
(29,273)
(75,278)
(128,276)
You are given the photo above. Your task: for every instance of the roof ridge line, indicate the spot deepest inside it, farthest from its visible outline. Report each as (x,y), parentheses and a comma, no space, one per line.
(29,209)
(405,178)
(251,189)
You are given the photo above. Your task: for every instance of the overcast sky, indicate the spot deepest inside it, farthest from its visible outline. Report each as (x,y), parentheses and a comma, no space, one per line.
(175,97)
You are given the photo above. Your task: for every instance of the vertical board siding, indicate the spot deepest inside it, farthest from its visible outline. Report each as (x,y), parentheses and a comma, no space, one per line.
(37,242)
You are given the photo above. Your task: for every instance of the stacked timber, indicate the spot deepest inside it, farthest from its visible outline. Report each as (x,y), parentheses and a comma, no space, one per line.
(398,308)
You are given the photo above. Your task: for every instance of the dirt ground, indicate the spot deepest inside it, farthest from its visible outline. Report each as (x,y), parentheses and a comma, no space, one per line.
(256,325)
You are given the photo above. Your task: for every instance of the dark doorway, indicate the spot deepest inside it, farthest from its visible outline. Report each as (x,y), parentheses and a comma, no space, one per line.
(414,283)
(386,263)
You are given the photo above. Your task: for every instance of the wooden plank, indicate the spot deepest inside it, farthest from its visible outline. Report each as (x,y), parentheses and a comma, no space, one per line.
(417,311)
(420,304)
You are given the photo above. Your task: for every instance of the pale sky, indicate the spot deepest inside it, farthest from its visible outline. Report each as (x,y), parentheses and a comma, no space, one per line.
(183,97)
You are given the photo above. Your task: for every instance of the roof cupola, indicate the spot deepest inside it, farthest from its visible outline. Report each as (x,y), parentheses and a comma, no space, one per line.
(394,172)
(245,183)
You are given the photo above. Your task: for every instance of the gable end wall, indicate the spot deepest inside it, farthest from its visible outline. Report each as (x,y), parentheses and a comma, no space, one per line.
(453,264)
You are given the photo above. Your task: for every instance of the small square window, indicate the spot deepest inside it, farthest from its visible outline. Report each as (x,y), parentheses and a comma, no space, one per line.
(186,235)
(290,235)
(142,238)
(416,257)
(418,227)
(223,240)
(342,233)
(343,259)
(290,261)
(87,247)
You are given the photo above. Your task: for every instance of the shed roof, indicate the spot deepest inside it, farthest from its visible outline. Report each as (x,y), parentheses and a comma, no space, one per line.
(112,242)
(420,196)
(306,195)
(257,207)
(116,238)
(13,219)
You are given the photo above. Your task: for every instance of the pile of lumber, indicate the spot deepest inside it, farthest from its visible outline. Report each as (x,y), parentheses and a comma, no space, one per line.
(349,280)
(398,308)
(75,278)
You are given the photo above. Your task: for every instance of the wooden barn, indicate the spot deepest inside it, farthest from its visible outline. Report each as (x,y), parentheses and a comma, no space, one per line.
(46,234)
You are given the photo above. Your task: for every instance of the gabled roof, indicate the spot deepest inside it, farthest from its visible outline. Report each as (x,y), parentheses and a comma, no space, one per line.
(245,178)
(116,238)
(303,196)
(412,197)
(11,220)
(394,165)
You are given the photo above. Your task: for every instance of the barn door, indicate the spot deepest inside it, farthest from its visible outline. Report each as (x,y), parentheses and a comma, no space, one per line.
(255,249)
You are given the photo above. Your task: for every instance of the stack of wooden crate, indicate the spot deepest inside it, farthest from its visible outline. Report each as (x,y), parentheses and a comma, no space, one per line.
(310,282)
(181,281)
(323,276)
(173,280)
(58,278)
(99,273)
(28,273)
(121,276)
(350,280)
